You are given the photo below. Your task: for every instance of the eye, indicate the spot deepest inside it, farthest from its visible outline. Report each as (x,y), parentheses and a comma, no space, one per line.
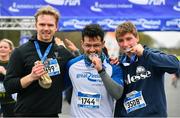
(129,38)
(41,24)
(97,46)
(119,40)
(87,46)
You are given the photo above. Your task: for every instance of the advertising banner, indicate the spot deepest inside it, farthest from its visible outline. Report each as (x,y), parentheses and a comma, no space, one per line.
(75,14)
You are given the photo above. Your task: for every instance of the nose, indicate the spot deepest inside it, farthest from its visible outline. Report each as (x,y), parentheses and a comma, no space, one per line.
(125,43)
(46,27)
(91,49)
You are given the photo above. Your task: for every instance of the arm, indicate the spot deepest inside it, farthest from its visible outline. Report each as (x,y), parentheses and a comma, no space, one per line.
(157,59)
(114,85)
(162,61)
(14,68)
(71,46)
(36,73)
(114,88)
(2,70)
(15,80)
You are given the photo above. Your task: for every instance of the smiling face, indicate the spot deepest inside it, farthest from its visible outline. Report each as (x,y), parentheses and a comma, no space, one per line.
(127,41)
(92,45)
(127,37)
(46,26)
(5,49)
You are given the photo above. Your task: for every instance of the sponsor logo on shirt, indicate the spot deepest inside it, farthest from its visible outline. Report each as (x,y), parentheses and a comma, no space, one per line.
(90,76)
(141,73)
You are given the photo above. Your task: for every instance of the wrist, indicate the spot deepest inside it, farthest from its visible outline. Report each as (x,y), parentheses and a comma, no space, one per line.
(102,70)
(30,78)
(76,52)
(4,73)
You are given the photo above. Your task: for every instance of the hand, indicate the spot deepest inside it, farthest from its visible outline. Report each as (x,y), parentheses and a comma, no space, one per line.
(97,62)
(58,41)
(114,60)
(70,45)
(37,71)
(137,49)
(2,70)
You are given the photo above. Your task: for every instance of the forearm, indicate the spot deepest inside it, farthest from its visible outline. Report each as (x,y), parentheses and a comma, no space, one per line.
(76,52)
(26,81)
(164,62)
(113,88)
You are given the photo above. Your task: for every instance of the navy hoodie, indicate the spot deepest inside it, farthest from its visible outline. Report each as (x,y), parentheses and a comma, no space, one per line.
(144,94)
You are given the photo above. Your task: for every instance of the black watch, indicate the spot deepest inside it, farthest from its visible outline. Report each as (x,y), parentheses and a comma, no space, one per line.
(102,70)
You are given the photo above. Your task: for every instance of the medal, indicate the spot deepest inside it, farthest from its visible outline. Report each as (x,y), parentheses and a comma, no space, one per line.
(45,80)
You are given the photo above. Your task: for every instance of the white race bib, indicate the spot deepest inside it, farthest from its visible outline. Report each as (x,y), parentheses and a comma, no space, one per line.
(133,101)
(88,100)
(52,67)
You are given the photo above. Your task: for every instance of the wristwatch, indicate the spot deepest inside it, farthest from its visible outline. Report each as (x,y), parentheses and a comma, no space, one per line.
(102,70)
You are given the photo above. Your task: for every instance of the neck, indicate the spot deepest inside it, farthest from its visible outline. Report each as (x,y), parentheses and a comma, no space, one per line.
(4,58)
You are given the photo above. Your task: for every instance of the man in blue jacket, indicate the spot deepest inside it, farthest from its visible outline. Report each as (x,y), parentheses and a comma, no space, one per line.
(144,69)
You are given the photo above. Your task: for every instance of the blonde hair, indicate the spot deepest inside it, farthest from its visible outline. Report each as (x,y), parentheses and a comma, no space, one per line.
(47,10)
(126,27)
(11,45)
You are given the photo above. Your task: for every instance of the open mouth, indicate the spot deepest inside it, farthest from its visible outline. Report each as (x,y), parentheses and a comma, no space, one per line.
(127,50)
(92,55)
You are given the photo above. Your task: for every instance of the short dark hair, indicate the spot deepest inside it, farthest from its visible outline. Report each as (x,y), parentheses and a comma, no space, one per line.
(93,30)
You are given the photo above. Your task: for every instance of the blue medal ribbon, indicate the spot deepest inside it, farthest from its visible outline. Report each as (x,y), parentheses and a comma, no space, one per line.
(42,57)
(125,62)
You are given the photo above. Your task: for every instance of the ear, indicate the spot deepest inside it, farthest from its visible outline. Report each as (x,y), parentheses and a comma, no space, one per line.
(137,38)
(103,44)
(35,26)
(57,28)
(82,44)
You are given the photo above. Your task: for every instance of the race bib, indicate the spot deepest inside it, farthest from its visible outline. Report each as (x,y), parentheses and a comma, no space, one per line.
(2,89)
(88,100)
(52,67)
(133,101)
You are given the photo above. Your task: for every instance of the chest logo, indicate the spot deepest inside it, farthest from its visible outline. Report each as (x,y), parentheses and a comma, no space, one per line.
(141,73)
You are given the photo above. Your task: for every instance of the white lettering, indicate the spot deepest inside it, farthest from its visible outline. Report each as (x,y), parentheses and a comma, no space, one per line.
(135,78)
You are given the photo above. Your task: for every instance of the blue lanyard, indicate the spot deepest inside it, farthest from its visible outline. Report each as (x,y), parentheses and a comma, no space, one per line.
(133,59)
(42,57)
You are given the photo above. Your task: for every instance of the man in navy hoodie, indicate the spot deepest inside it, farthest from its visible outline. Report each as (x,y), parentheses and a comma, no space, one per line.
(144,69)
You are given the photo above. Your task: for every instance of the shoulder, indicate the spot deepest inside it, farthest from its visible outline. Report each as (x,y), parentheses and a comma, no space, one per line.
(148,50)
(115,68)
(151,49)
(75,60)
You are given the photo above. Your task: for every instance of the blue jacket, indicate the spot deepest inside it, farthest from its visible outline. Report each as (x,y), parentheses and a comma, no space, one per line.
(145,77)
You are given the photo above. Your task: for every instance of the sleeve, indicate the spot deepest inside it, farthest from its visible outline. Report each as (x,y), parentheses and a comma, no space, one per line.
(114,84)
(76,53)
(14,70)
(161,61)
(67,80)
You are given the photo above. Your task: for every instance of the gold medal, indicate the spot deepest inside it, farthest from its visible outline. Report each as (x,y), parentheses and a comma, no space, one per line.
(45,81)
